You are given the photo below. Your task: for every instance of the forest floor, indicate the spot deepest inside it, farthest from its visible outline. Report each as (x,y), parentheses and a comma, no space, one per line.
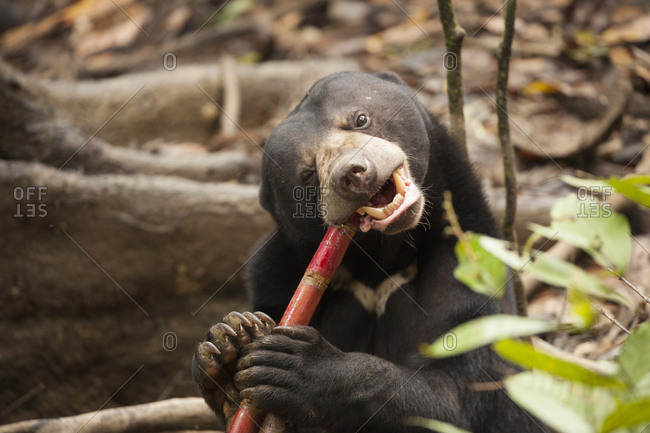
(130,142)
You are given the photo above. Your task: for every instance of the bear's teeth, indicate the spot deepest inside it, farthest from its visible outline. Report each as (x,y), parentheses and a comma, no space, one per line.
(381,213)
(400,186)
(377,213)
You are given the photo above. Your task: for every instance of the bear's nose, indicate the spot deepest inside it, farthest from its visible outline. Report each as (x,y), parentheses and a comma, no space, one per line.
(357,175)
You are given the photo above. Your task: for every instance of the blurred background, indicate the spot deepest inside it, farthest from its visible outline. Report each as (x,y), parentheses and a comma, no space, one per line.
(130,141)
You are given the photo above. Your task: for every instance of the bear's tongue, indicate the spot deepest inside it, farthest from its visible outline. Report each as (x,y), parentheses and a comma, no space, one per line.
(388,198)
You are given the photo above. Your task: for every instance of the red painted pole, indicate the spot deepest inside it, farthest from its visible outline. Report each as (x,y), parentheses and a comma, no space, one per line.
(305,299)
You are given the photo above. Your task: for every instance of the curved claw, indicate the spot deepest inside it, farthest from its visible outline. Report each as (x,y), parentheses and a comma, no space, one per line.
(210,347)
(239,316)
(206,368)
(227,329)
(265,318)
(254,319)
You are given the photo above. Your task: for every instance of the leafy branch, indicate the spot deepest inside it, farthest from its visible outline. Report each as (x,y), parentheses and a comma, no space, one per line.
(559,389)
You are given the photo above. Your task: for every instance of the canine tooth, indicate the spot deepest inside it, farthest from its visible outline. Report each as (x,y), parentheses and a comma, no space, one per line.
(360,211)
(400,186)
(377,213)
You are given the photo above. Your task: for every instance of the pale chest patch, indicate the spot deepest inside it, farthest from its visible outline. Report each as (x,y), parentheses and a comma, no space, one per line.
(374,300)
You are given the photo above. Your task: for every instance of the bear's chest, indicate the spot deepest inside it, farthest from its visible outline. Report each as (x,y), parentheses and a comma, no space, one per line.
(373,298)
(361,317)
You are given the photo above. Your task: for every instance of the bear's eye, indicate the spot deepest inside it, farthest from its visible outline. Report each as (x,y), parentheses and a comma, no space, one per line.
(362,120)
(308,176)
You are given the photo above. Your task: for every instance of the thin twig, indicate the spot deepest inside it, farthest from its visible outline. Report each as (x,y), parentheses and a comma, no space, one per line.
(630,285)
(453,218)
(231,96)
(612,319)
(454,35)
(507,150)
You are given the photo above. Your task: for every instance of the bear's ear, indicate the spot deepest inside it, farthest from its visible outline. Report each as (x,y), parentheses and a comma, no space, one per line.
(390,76)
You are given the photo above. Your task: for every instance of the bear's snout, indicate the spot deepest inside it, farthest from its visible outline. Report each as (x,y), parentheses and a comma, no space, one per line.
(356,174)
(360,173)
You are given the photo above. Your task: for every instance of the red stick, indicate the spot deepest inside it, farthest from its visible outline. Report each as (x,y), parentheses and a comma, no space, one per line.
(304,302)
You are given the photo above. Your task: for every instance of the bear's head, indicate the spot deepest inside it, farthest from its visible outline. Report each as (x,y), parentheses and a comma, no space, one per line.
(357,143)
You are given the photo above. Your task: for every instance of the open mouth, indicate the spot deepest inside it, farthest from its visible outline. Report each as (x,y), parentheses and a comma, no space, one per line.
(390,203)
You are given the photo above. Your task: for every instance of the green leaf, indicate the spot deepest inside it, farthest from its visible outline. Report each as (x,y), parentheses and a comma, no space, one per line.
(478,269)
(627,186)
(525,355)
(501,250)
(634,357)
(544,267)
(635,179)
(434,425)
(586,223)
(234,9)
(629,414)
(566,406)
(484,330)
(642,387)
(581,313)
(557,272)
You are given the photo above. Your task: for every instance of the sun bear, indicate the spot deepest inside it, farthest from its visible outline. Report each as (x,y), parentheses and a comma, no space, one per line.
(361,143)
